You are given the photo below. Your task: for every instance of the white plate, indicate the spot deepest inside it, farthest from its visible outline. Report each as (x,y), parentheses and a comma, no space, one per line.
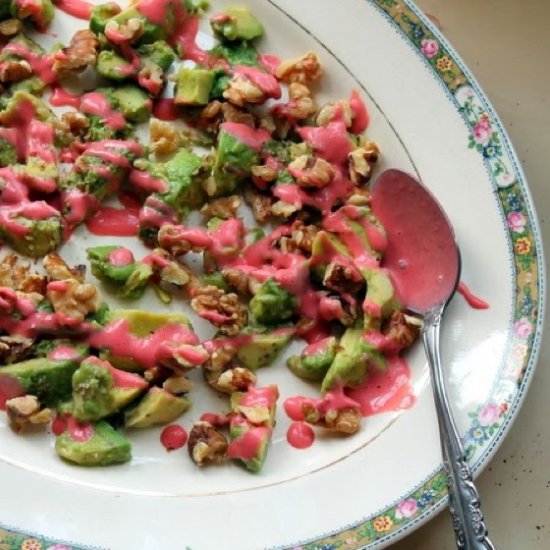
(430,117)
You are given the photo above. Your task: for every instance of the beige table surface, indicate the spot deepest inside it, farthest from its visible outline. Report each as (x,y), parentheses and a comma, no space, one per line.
(506,44)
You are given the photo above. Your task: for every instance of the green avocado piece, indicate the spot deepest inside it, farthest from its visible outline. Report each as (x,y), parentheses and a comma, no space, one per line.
(104,269)
(160,53)
(11,113)
(236,24)
(257,405)
(101,14)
(106,446)
(314,366)
(41,12)
(380,299)
(157,407)
(196,6)
(326,246)
(262,435)
(137,282)
(8,153)
(41,236)
(193,86)
(221,83)
(272,304)
(234,160)
(352,360)
(113,66)
(133,102)
(32,85)
(95,394)
(236,53)
(49,380)
(44,348)
(215,279)
(263,349)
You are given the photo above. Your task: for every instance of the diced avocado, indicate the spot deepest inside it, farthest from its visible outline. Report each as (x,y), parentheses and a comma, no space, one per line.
(11,114)
(105,446)
(236,24)
(326,246)
(157,407)
(40,236)
(33,85)
(135,285)
(113,66)
(37,169)
(221,83)
(263,349)
(8,153)
(234,160)
(313,366)
(160,53)
(133,102)
(61,347)
(215,279)
(104,269)
(49,380)
(352,360)
(257,405)
(380,299)
(260,437)
(40,12)
(101,14)
(193,86)
(236,53)
(272,304)
(196,6)
(95,393)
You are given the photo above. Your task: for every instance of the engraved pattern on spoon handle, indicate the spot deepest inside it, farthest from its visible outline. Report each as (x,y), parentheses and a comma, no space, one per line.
(464,504)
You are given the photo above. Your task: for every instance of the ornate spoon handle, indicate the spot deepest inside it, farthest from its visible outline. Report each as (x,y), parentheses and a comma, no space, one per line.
(464,504)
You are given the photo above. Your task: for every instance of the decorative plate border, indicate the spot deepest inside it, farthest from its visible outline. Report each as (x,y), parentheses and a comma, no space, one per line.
(489,422)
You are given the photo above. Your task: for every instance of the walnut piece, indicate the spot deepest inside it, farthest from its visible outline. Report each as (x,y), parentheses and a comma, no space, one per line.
(76,123)
(333,110)
(301,104)
(241,282)
(235,379)
(14,348)
(402,329)
(10,27)
(221,309)
(79,54)
(15,274)
(224,208)
(343,278)
(72,300)
(361,161)
(242,90)
(260,204)
(126,32)
(14,71)
(207,445)
(179,240)
(300,240)
(178,385)
(310,171)
(220,359)
(24,412)
(265,173)
(57,269)
(346,420)
(283,209)
(304,69)
(165,139)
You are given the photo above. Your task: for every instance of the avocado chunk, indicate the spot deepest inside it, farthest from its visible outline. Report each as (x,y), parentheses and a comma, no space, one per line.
(159,53)
(101,14)
(234,160)
(49,380)
(380,299)
(8,153)
(236,24)
(61,349)
(113,66)
(157,407)
(326,246)
(104,446)
(272,304)
(133,102)
(315,360)
(263,349)
(236,53)
(41,12)
(352,360)
(193,86)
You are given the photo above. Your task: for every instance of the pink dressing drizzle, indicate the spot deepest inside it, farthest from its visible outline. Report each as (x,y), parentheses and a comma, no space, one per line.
(164,108)
(41,65)
(114,222)
(143,180)
(265,81)
(253,138)
(300,435)
(360,115)
(79,431)
(9,388)
(247,445)
(77,8)
(121,256)
(79,205)
(95,103)
(62,98)
(121,379)
(63,353)
(330,142)
(472,300)
(269,61)
(185,37)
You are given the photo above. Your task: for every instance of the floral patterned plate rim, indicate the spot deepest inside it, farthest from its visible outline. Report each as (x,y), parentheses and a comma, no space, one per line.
(484,425)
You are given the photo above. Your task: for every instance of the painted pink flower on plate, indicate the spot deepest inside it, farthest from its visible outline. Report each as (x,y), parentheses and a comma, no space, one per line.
(516,221)
(59,547)
(523,328)
(489,415)
(482,131)
(406,508)
(429,47)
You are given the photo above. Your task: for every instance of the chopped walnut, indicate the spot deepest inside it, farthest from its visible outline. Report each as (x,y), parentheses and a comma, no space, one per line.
(304,69)
(58,270)
(242,90)
(301,238)
(224,208)
(311,171)
(157,374)
(283,209)
(359,197)
(15,274)
(184,357)
(207,445)
(221,309)
(267,123)
(343,278)
(175,239)
(24,412)
(234,114)
(171,273)
(241,282)
(151,77)
(72,300)
(128,32)
(361,161)
(301,104)
(333,110)
(10,27)
(345,420)
(76,123)
(165,139)
(14,71)
(220,359)
(14,348)
(402,329)
(178,385)
(79,54)
(235,379)
(265,173)
(333,307)
(260,204)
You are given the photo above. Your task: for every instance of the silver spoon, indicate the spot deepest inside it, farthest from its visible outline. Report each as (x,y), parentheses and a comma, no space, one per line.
(424,260)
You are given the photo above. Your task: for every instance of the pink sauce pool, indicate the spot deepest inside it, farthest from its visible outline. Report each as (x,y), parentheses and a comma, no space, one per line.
(421,251)
(164,108)
(185,37)
(113,222)
(245,134)
(385,391)
(121,256)
(331,142)
(173,437)
(360,115)
(62,98)
(472,300)
(269,61)
(300,435)
(77,8)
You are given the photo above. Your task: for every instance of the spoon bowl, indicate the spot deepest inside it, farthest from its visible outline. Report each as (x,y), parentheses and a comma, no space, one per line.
(423,260)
